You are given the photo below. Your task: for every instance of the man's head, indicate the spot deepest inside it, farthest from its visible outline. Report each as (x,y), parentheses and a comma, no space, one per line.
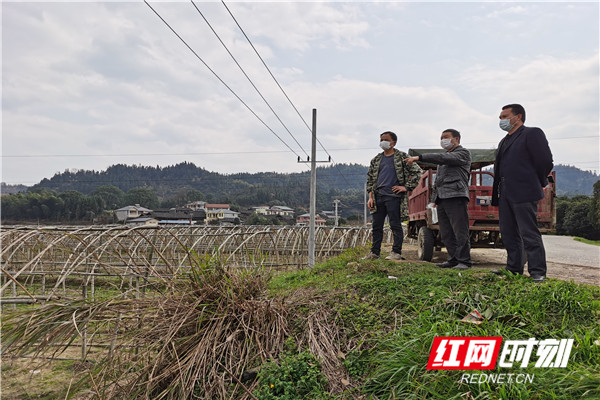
(392,137)
(388,137)
(450,139)
(513,116)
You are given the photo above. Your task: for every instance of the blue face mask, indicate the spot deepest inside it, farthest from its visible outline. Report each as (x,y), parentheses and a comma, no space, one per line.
(505,124)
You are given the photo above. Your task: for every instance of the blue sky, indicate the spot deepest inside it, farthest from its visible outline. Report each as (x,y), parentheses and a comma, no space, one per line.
(88,85)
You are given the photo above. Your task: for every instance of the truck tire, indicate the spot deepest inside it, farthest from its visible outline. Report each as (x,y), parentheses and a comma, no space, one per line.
(425,242)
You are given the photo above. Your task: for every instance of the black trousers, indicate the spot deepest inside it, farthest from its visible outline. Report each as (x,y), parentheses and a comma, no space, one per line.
(519,230)
(387,206)
(453,217)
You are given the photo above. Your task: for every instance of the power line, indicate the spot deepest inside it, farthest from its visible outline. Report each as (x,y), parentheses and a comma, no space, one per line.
(265,64)
(219,78)
(277,82)
(247,77)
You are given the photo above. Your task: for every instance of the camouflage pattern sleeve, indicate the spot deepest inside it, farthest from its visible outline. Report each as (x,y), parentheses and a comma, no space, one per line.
(413,175)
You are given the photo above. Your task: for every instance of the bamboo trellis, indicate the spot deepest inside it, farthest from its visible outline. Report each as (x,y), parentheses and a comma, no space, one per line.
(84,254)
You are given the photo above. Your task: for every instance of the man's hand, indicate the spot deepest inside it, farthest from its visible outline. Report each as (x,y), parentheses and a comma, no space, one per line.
(371,203)
(398,189)
(411,160)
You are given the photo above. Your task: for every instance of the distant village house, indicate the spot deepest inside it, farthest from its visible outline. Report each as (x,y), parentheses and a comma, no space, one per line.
(131,212)
(304,220)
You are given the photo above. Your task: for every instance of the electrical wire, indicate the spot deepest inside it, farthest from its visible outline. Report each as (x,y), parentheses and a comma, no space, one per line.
(277,82)
(219,78)
(247,77)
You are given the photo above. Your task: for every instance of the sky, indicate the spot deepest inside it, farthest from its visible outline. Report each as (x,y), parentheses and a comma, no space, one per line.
(88,85)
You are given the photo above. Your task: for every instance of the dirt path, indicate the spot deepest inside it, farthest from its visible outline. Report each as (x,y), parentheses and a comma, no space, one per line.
(496,258)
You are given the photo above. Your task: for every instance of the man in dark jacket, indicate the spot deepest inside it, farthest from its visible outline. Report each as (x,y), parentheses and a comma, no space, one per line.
(452,197)
(523,162)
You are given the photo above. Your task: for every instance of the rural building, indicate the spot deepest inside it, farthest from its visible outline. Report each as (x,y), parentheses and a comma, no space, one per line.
(131,212)
(262,210)
(282,211)
(223,215)
(183,215)
(304,220)
(196,205)
(143,221)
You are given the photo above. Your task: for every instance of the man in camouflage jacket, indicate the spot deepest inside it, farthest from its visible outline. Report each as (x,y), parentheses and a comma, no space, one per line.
(389,180)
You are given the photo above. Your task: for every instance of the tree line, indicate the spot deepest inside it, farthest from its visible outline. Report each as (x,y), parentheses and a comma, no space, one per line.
(72,206)
(575,216)
(69,207)
(579,215)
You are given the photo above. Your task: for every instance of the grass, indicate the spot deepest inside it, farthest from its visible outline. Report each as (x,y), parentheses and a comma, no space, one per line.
(587,241)
(347,329)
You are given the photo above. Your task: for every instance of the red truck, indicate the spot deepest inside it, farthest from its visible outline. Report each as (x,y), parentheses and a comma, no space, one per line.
(484,224)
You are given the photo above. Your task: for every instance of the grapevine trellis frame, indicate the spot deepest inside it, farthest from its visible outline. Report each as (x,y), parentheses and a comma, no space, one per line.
(84,254)
(59,264)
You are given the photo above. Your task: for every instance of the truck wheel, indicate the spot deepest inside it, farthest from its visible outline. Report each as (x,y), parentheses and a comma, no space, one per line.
(425,241)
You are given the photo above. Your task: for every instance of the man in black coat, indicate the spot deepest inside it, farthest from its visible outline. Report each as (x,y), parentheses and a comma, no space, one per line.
(523,162)
(452,197)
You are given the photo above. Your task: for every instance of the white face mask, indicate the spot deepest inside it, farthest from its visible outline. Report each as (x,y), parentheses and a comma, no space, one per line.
(505,124)
(446,144)
(385,145)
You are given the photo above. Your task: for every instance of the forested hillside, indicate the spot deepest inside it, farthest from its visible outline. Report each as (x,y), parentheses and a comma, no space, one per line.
(571,181)
(80,194)
(340,181)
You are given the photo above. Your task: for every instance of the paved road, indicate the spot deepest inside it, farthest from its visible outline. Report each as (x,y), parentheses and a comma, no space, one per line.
(565,250)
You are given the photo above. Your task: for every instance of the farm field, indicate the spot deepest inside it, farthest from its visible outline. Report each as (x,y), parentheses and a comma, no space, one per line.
(348,328)
(354,329)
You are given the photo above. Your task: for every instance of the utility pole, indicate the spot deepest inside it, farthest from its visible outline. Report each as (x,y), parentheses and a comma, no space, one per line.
(336,202)
(313,190)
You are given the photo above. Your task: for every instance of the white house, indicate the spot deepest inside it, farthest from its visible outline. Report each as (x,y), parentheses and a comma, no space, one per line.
(281,210)
(262,210)
(130,212)
(222,215)
(196,205)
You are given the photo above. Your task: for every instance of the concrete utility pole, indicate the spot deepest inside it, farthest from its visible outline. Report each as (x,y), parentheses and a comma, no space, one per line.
(313,190)
(335,203)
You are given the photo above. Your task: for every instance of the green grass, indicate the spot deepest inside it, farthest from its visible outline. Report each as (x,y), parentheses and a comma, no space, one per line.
(587,241)
(397,309)
(350,329)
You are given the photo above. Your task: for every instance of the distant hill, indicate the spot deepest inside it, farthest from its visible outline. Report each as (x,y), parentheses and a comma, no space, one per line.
(12,189)
(341,181)
(571,181)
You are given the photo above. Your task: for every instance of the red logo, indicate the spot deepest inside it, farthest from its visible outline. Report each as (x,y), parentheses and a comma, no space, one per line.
(464,353)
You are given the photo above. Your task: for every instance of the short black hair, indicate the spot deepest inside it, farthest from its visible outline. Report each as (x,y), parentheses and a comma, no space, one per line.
(516,110)
(454,132)
(392,134)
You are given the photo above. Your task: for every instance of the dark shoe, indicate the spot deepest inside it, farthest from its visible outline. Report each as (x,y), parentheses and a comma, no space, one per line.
(538,278)
(461,266)
(445,264)
(371,256)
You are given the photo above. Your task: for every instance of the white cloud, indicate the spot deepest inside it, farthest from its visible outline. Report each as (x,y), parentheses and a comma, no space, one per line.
(98,80)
